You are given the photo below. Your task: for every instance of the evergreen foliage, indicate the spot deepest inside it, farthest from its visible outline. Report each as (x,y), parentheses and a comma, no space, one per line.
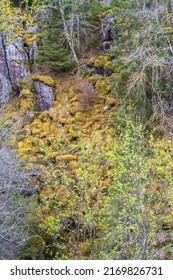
(63,39)
(55,55)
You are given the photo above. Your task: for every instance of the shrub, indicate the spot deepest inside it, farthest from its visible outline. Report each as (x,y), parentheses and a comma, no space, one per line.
(15,206)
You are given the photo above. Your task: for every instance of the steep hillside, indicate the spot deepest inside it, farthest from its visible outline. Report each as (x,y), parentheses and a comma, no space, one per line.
(93,130)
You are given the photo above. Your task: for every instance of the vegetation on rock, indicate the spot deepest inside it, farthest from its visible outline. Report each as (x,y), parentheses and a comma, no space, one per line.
(99,160)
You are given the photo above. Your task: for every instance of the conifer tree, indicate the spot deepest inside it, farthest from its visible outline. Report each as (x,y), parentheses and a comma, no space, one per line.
(68,30)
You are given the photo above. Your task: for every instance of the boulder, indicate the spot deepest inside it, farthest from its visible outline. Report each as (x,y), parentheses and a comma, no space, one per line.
(16,60)
(15,64)
(107,36)
(44,95)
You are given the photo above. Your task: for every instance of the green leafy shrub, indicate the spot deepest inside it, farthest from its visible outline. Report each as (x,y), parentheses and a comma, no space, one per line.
(132,217)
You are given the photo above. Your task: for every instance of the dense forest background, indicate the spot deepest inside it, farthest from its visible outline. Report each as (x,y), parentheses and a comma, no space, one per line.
(86,123)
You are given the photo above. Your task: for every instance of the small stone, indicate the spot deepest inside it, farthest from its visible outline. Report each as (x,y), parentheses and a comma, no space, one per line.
(106,108)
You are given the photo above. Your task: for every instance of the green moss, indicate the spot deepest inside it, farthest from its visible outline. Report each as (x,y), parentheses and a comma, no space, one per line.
(101,61)
(80,117)
(66,158)
(101,86)
(18,61)
(29,38)
(46,127)
(94,78)
(110,101)
(47,80)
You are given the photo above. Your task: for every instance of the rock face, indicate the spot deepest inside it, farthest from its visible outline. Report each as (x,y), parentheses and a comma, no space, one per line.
(16,60)
(106,3)
(44,95)
(5,88)
(5,84)
(12,68)
(107,36)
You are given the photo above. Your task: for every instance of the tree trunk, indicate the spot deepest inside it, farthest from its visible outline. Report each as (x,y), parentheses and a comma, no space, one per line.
(67,35)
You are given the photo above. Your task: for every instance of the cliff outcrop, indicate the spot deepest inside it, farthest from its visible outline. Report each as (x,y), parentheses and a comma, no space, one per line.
(16,63)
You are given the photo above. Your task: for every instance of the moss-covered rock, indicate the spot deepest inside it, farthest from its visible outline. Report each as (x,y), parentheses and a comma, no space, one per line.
(29,38)
(47,80)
